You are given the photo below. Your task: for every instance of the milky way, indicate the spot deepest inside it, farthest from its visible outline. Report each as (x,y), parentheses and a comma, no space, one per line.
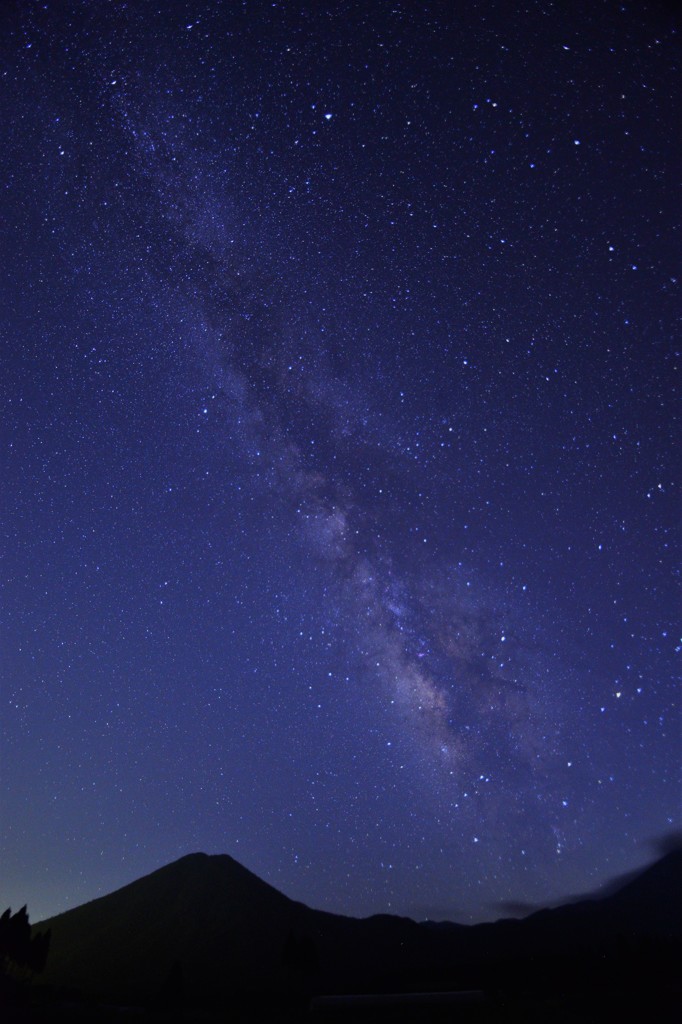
(462,688)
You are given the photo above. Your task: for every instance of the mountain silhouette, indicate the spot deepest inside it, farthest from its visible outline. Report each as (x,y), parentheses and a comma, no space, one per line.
(224,925)
(207,927)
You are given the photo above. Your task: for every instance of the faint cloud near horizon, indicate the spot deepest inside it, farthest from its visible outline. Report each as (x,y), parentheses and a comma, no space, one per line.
(668,842)
(514,908)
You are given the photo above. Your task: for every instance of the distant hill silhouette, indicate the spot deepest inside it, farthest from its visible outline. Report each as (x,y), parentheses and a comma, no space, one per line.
(205,927)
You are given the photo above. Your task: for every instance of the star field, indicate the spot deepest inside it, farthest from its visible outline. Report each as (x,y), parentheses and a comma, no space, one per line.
(339,525)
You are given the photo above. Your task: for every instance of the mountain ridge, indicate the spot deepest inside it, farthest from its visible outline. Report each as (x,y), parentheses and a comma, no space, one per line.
(227,929)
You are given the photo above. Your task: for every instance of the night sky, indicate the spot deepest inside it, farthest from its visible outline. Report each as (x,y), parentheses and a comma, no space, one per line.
(338,508)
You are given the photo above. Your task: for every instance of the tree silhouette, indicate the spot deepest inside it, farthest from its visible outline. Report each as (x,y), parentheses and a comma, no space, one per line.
(18,948)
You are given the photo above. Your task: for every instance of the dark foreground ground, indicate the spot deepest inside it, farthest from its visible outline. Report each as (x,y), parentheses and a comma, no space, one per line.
(578,1007)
